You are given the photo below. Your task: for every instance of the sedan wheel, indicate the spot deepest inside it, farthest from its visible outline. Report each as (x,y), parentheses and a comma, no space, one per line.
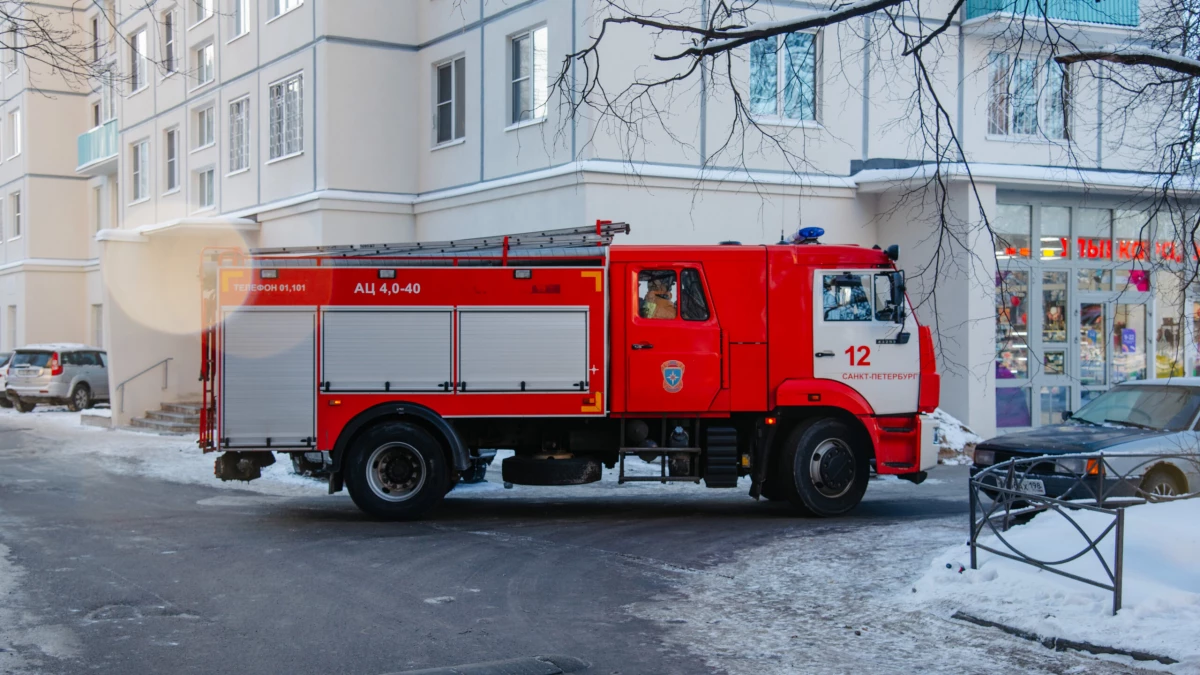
(1162,485)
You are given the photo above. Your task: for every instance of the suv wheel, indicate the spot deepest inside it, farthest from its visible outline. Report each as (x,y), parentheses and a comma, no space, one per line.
(81,398)
(23,406)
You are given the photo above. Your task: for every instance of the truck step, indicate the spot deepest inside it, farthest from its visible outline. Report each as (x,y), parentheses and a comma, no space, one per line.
(721,460)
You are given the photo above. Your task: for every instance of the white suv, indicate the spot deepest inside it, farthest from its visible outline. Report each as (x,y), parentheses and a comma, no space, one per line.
(76,375)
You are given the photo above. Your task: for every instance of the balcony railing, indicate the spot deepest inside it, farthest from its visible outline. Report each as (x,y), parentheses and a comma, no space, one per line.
(98,144)
(1108,12)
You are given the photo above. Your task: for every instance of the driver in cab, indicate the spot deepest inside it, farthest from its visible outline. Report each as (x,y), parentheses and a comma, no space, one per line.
(658,302)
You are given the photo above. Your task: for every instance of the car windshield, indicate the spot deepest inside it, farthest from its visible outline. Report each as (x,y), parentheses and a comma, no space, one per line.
(1150,407)
(38,359)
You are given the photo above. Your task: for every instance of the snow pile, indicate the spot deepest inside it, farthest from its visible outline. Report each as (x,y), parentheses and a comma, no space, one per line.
(1161,600)
(956,441)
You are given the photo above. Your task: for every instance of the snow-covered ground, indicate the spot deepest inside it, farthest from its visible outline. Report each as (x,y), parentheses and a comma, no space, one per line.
(956,441)
(1161,599)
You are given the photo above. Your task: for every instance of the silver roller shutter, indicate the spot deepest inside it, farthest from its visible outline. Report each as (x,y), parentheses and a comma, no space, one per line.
(546,350)
(386,350)
(269,387)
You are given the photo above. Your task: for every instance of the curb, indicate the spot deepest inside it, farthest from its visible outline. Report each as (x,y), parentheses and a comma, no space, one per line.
(1062,644)
(530,665)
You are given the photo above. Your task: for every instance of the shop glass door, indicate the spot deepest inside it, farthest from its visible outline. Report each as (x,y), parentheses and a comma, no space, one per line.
(1053,382)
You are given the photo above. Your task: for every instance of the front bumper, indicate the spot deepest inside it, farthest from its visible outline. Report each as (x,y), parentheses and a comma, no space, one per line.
(1067,486)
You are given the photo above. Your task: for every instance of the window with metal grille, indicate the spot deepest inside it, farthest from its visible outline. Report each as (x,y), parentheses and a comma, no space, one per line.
(783,77)
(1028,97)
(286,117)
(239,134)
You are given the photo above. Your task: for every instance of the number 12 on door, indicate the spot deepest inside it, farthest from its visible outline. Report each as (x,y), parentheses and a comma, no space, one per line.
(863,354)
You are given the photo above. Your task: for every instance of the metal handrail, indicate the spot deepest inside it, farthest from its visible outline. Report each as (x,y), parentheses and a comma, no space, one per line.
(121,387)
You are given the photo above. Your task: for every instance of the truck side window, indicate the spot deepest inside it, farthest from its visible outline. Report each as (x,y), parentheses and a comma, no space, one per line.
(844,298)
(656,293)
(692,305)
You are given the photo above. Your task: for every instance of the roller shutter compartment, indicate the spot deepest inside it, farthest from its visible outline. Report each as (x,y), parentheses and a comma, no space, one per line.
(523,350)
(386,350)
(269,378)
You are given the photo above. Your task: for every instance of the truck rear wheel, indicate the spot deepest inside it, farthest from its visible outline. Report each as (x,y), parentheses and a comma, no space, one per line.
(823,468)
(397,471)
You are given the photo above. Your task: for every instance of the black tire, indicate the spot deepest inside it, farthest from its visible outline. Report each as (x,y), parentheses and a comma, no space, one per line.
(567,471)
(4,402)
(1162,484)
(81,398)
(23,406)
(840,459)
(396,471)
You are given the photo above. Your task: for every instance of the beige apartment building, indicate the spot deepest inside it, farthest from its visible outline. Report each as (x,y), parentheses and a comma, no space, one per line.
(49,261)
(296,122)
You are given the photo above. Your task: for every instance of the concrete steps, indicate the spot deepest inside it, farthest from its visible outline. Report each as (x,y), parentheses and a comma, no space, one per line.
(171,418)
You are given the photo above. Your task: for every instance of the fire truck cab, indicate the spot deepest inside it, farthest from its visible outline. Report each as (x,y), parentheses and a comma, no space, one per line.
(797,365)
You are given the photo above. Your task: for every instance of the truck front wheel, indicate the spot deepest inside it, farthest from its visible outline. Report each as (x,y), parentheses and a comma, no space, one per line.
(396,471)
(823,468)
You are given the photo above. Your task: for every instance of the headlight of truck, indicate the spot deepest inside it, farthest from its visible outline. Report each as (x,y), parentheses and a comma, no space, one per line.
(1071,466)
(985,457)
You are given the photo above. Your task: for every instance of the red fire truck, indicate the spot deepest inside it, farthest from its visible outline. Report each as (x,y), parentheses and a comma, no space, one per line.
(797,365)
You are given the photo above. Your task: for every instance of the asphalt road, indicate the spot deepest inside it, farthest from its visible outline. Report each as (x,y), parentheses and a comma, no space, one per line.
(117,573)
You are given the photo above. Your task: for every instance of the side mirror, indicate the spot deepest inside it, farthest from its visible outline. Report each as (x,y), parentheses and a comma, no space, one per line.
(1066,415)
(898,299)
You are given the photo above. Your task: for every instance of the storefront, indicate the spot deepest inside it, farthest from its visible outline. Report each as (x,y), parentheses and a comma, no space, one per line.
(1086,298)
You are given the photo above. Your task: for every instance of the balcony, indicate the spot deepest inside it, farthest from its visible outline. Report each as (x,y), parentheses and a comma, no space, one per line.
(1123,13)
(98,150)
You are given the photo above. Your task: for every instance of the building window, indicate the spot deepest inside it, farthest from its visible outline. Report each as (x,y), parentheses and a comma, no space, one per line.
(205,186)
(97,209)
(95,115)
(138,65)
(95,39)
(140,175)
(10,54)
(279,7)
(201,10)
(97,325)
(14,132)
(530,87)
(450,116)
(15,201)
(204,65)
(170,60)
(783,77)
(205,131)
(286,118)
(239,134)
(171,143)
(108,96)
(1027,97)
(239,17)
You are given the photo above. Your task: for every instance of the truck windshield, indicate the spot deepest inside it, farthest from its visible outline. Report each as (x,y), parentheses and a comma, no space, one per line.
(37,359)
(1147,407)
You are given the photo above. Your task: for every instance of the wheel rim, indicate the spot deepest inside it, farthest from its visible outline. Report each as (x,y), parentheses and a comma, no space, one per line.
(81,398)
(1163,489)
(396,472)
(831,468)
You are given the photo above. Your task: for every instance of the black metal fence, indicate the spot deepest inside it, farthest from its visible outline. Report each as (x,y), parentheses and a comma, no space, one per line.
(1013,491)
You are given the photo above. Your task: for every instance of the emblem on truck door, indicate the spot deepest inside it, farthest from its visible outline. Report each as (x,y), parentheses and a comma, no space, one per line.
(672,376)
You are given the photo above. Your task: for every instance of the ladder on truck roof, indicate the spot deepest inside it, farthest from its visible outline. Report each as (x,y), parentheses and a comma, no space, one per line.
(567,242)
